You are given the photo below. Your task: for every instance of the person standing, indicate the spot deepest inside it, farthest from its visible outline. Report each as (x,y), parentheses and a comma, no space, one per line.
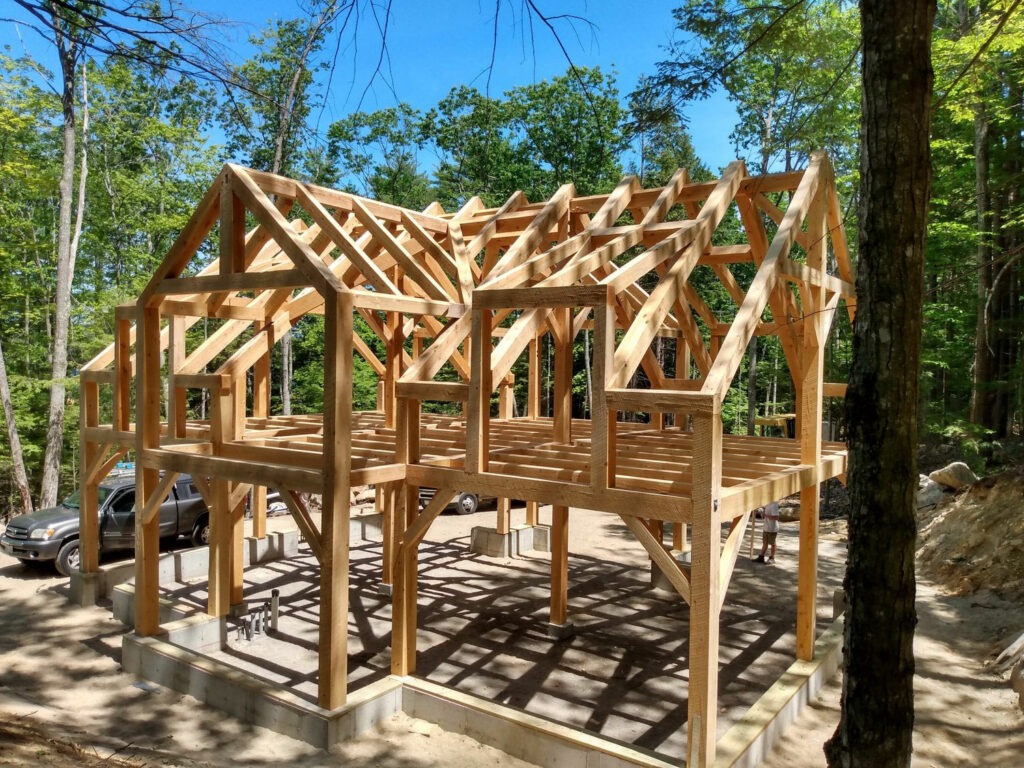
(770,512)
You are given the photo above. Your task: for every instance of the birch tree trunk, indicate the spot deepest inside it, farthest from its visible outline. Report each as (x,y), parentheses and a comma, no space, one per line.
(67,242)
(17,459)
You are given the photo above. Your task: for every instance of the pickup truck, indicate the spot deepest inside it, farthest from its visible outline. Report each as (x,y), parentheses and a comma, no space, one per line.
(52,534)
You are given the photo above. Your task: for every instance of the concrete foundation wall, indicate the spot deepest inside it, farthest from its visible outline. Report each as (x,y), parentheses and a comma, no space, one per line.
(750,741)
(254,701)
(175,658)
(519,734)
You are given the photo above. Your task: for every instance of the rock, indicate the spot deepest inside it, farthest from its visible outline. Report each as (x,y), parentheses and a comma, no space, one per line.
(956,476)
(929,493)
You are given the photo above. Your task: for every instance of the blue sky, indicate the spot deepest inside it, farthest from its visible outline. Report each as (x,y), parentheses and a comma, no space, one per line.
(434,46)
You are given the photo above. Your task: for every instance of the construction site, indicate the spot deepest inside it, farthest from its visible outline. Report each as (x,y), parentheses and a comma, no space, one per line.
(458,300)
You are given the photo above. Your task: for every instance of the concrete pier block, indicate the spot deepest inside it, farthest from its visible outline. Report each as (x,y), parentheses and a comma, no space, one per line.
(561,631)
(658,580)
(85,588)
(368,526)
(522,538)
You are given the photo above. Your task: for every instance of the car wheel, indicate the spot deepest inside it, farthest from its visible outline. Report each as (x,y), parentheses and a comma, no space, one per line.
(68,558)
(201,533)
(467,503)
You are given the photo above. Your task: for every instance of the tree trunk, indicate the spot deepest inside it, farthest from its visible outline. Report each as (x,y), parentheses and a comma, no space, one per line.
(286,373)
(587,411)
(984,357)
(17,459)
(68,52)
(877,711)
(751,384)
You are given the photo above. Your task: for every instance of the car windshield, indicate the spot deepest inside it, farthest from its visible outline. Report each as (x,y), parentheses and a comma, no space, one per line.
(74,500)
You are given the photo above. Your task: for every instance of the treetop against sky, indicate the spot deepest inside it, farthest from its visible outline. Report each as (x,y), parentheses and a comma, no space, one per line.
(434,47)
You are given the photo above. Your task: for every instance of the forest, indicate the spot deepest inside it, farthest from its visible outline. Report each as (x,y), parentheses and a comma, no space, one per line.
(103,160)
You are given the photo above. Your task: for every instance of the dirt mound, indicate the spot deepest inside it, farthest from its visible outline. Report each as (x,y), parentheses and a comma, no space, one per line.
(975,541)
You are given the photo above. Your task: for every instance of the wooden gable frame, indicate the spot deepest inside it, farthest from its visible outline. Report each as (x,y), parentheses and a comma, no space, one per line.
(476,290)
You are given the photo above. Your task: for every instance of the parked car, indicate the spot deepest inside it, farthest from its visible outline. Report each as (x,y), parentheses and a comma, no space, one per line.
(466,503)
(52,534)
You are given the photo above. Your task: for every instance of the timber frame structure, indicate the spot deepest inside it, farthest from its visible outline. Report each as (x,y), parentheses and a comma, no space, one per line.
(470,293)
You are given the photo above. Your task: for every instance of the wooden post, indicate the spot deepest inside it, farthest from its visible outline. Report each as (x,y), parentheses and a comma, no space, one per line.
(563,434)
(704,586)
(562,398)
(532,513)
(222,412)
(176,403)
(680,541)
(503,521)
(403,632)
(334,576)
(260,410)
(406,559)
(123,366)
(533,412)
(504,506)
(147,419)
(559,565)
(88,514)
(479,405)
(237,521)
(232,229)
(533,383)
(809,424)
(392,366)
(602,421)
(682,373)
(236,518)
(387,503)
